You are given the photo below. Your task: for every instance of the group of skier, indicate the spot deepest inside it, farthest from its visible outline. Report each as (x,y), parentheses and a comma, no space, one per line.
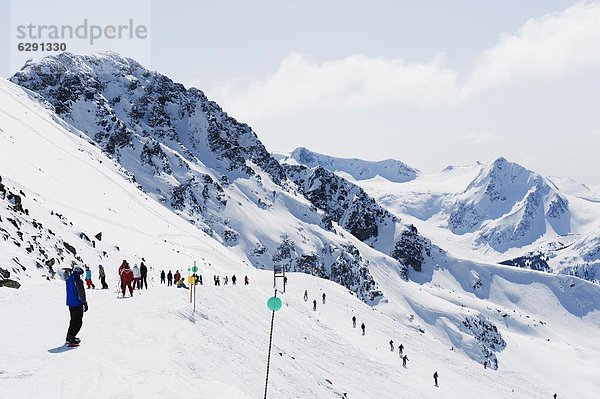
(170,279)
(136,278)
(217,280)
(362,325)
(88,277)
(314,302)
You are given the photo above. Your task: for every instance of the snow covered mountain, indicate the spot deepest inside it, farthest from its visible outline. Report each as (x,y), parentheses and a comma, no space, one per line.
(499,212)
(187,153)
(358,169)
(509,206)
(60,190)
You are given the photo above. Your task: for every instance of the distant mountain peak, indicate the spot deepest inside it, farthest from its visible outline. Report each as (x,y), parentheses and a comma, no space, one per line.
(390,169)
(508,205)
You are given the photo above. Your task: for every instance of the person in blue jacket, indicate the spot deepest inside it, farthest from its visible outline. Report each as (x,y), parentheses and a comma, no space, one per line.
(88,278)
(77,303)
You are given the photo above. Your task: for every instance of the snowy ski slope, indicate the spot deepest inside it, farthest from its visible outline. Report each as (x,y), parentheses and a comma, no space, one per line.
(152,346)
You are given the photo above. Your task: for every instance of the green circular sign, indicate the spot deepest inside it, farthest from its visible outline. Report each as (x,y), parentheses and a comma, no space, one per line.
(195,269)
(274,303)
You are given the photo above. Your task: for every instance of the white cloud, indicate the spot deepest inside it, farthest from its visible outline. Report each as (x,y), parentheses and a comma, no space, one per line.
(348,83)
(552,46)
(479,137)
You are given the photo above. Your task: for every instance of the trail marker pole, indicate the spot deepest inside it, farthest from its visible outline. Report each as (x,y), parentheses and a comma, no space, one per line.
(193,285)
(195,269)
(190,279)
(274,304)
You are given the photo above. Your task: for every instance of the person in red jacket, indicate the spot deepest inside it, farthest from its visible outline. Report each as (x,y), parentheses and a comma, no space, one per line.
(123,265)
(177,276)
(126,278)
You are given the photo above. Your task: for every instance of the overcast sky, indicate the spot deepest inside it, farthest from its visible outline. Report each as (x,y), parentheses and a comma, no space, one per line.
(429,83)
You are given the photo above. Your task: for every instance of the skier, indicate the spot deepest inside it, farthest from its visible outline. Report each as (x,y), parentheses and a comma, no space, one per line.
(196,278)
(126,278)
(88,278)
(123,264)
(284,282)
(177,276)
(362,326)
(181,284)
(485,364)
(137,277)
(226,280)
(121,268)
(305,295)
(400,349)
(314,304)
(102,276)
(246,280)
(162,277)
(323,297)
(218,281)
(200,279)
(233,279)
(353,321)
(169,279)
(144,273)
(76,302)
(391,345)
(554,396)
(404,360)
(435,377)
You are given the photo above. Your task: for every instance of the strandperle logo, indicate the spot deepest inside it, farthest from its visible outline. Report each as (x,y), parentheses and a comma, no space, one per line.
(85,30)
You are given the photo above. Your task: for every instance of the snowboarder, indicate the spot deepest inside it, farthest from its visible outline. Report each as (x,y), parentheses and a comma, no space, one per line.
(400,349)
(323,297)
(126,278)
(144,273)
(305,295)
(162,277)
(435,377)
(102,276)
(88,278)
(314,304)
(404,360)
(353,321)
(233,279)
(169,279)
(391,345)
(77,303)
(246,280)
(362,327)
(181,284)
(177,276)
